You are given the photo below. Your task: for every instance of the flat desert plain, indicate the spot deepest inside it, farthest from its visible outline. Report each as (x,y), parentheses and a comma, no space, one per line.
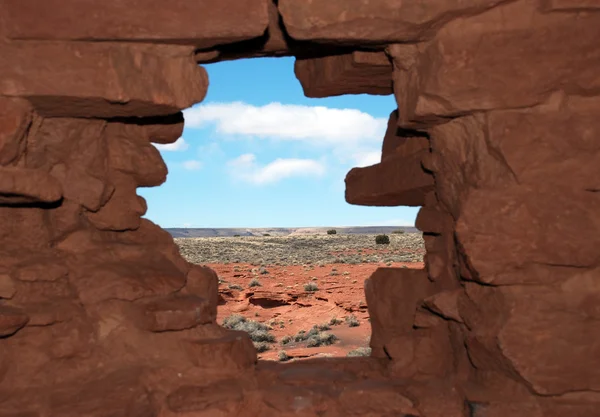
(300,296)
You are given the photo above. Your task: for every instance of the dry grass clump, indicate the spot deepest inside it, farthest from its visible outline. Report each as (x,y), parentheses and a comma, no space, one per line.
(258,332)
(361,351)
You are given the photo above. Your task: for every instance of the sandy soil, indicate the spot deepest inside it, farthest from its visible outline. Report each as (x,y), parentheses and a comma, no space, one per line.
(279,298)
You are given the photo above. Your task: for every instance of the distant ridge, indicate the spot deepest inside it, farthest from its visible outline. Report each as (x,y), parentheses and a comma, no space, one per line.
(283,231)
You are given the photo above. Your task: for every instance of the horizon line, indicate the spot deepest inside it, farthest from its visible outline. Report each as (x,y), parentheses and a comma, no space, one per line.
(282,227)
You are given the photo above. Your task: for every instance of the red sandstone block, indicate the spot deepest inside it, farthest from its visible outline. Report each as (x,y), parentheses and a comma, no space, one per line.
(397,181)
(381,21)
(365,73)
(202,23)
(82,79)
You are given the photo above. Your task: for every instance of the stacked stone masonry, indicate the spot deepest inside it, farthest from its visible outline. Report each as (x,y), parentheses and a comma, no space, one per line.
(495,136)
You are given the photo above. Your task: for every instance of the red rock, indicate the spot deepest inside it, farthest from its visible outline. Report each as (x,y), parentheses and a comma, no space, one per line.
(432,220)
(570,5)
(41,268)
(496,246)
(173,313)
(375,398)
(165,129)
(401,141)
(123,78)
(126,280)
(120,394)
(466,159)
(232,351)
(48,313)
(543,327)
(453,79)
(11,320)
(406,183)
(356,73)
(437,398)
(541,130)
(7,286)
(224,395)
(15,117)
(496,136)
(204,282)
(445,304)
(85,189)
(124,208)
(390,316)
(200,24)
(129,152)
(64,220)
(381,21)
(20,186)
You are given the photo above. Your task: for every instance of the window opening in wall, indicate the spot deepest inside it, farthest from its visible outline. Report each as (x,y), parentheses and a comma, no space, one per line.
(256,191)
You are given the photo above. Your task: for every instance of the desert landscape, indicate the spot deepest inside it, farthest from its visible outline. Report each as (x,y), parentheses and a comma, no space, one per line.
(300,295)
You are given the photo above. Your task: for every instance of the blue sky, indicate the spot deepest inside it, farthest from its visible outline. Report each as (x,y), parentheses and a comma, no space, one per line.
(257,153)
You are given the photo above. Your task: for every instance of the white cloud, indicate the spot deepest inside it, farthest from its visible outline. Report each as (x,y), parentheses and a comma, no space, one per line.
(192,165)
(247,169)
(278,121)
(179,145)
(368,158)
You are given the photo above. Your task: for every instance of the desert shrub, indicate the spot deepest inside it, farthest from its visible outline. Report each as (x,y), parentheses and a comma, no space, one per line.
(258,332)
(398,232)
(316,337)
(311,287)
(283,357)
(236,235)
(262,336)
(352,321)
(321,339)
(261,346)
(361,351)
(300,336)
(254,283)
(266,234)
(335,321)
(382,239)
(286,340)
(235,287)
(332,232)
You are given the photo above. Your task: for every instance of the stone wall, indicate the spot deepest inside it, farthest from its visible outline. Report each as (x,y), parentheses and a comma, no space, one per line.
(495,137)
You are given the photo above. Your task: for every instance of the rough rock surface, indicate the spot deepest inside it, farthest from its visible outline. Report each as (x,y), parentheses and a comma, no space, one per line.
(497,140)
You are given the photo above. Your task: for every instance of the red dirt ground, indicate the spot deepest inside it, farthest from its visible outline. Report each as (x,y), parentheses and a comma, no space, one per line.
(281,297)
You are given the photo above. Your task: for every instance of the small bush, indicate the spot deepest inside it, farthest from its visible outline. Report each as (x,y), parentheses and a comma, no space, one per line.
(266,234)
(322,327)
(258,332)
(254,283)
(261,346)
(283,357)
(286,340)
(315,336)
(236,235)
(398,232)
(352,321)
(235,287)
(335,321)
(311,287)
(382,239)
(321,339)
(362,351)
(332,232)
(300,336)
